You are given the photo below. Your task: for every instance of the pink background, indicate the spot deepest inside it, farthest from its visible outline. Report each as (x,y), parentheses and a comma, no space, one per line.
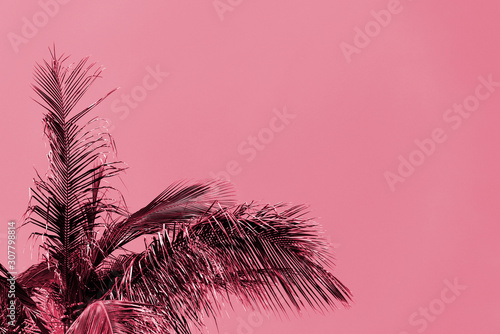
(353,119)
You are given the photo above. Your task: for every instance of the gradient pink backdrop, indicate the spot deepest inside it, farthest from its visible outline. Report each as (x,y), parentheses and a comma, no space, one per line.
(394,249)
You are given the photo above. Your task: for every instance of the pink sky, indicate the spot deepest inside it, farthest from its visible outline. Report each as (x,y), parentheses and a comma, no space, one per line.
(382,115)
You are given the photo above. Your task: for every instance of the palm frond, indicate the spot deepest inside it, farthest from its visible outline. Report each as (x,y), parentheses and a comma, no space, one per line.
(179,203)
(26,309)
(68,202)
(267,256)
(117,317)
(205,251)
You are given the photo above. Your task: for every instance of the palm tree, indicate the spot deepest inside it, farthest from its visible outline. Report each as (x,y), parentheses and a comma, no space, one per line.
(203,249)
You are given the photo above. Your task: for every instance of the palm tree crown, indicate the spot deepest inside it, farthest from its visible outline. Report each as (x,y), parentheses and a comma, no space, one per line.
(203,248)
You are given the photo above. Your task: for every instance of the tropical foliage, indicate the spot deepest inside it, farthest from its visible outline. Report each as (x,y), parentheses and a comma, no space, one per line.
(203,249)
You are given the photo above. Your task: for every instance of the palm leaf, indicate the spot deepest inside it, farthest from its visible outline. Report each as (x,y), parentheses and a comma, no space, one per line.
(68,204)
(26,308)
(181,202)
(205,251)
(117,317)
(267,256)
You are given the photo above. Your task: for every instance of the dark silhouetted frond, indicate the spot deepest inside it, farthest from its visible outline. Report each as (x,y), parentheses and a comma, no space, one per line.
(267,256)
